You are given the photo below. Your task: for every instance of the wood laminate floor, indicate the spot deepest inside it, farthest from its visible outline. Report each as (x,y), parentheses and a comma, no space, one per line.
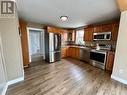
(67,77)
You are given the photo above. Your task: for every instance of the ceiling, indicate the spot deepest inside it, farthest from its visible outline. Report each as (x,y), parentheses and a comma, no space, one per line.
(79,12)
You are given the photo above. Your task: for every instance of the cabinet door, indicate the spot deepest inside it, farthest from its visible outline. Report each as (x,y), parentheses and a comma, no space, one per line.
(73,53)
(77,51)
(98,28)
(88,35)
(71,35)
(63,52)
(70,50)
(107,27)
(115,29)
(110,61)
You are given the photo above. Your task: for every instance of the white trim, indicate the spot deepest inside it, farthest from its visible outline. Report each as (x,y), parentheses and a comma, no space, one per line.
(35,28)
(28,43)
(5,89)
(28,28)
(38,29)
(15,81)
(10,83)
(119,79)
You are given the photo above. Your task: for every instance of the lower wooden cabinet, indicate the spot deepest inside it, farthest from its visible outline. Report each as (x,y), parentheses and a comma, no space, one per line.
(77,53)
(64,52)
(73,52)
(110,60)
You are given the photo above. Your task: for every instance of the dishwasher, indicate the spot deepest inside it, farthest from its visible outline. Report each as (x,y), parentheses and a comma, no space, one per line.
(85,54)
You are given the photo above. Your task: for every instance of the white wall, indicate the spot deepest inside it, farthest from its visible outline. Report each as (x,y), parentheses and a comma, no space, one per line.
(11,48)
(120,63)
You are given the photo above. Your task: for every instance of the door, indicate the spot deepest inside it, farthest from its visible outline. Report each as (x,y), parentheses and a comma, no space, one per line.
(36,44)
(57,42)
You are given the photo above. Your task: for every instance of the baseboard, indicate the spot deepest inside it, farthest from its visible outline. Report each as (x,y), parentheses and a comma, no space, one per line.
(119,79)
(5,89)
(15,81)
(10,83)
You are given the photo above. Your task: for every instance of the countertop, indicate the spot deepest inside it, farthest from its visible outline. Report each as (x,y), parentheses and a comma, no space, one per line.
(84,47)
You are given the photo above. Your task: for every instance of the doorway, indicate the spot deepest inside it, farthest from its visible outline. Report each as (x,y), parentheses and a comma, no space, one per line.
(36,44)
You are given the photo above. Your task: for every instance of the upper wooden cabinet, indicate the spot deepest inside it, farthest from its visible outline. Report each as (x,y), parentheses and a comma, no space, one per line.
(115,29)
(111,27)
(103,28)
(71,35)
(55,30)
(97,28)
(106,27)
(88,34)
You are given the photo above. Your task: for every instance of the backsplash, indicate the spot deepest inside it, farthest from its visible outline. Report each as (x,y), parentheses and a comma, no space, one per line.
(112,43)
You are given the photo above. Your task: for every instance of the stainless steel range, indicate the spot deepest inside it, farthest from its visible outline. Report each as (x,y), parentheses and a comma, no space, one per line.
(98,58)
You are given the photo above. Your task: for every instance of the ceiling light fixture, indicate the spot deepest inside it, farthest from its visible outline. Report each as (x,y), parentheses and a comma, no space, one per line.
(64,18)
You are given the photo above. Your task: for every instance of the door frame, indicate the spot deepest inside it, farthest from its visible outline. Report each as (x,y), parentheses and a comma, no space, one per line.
(38,29)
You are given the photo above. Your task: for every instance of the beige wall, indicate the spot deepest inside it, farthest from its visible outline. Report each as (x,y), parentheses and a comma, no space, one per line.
(2,68)
(120,63)
(11,48)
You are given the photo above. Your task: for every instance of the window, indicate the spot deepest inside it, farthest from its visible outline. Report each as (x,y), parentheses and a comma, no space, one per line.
(79,37)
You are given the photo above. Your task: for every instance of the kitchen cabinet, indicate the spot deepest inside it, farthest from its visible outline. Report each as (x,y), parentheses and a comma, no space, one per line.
(64,52)
(70,51)
(55,30)
(115,29)
(110,27)
(88,34)
(77,53)
(74,52)
(98,28)
(110,60)
(71,35)
(106,27)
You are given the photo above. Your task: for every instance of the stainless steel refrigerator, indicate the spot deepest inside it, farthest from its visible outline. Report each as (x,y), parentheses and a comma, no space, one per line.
(52,47)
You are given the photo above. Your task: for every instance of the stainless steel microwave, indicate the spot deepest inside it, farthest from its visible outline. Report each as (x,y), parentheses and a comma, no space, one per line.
(103,36)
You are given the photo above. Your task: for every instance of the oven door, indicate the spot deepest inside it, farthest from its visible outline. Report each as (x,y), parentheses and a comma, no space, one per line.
(98,59)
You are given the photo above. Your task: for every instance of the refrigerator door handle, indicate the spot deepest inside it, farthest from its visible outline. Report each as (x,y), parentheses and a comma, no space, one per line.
(56,42)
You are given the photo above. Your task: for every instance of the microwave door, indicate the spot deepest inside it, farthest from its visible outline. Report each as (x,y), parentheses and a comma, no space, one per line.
(99,37)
